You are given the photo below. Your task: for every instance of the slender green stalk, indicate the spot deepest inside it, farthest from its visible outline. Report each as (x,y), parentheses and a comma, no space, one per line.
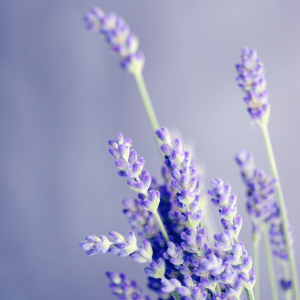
(270,264)
(256,243)
(176,296)
(161,226)
(148,104)
(218,289)
(250,294)
(283,213)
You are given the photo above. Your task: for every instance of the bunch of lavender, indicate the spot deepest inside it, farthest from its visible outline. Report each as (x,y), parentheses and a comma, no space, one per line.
(180,256)
(261,205)
(168,216)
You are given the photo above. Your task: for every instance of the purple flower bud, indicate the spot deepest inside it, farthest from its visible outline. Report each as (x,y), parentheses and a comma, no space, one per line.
(163,134)
(166,149)
(156,270)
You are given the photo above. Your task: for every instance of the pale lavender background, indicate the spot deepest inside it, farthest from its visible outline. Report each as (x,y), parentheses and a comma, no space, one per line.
(63,96)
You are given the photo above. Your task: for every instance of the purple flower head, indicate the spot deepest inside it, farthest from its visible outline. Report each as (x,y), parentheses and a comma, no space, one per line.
(252,81)
(141,220)
(211,264)
(235,289)
(191,220)
(193,242)
(123,246)
(93,244)
(174,254)
(144,254)
(151,203)
(118,35)
(169,286)
(285,284)
(248,280)
(156,270)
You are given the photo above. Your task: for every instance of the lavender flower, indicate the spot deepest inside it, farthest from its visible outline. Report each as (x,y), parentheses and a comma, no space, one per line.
(230,264)
(123,246)
(252,81)
(260,189)
(130,166)
(141,220)
(124,288)
(262,207)
(118,35)
(156,270)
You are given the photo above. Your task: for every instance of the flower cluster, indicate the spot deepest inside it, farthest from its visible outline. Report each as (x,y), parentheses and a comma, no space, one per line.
(252,81)
(118,35)
(186,259)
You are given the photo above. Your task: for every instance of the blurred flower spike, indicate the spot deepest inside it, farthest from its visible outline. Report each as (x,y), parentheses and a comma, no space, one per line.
(118,35)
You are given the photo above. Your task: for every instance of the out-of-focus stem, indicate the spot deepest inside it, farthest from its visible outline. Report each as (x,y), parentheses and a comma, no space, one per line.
(271,270)
(256,243)
(176,296)
(148,105)
(250,294)
(161,226)
(218,289)
(283,213)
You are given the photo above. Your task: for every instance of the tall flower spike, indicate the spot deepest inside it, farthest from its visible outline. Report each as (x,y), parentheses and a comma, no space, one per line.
(260,188)
(230,265)
(140,180)
(252,81)
(118,35)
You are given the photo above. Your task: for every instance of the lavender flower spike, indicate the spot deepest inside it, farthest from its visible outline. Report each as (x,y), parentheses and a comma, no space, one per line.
(118,35)
(252,81)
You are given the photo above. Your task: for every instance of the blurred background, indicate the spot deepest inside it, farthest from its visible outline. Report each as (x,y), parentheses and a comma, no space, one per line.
(63,96)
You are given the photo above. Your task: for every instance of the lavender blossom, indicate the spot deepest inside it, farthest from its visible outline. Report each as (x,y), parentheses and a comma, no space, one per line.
(252,81)
(123,246)
(156,270)
(230,264)
(185,181)
(141,220)
(130,166)
(124,288)
(262,207)
(122,41)
(260,189)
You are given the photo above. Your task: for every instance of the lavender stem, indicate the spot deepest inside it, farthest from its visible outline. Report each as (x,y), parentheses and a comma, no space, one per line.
(176,296)
(285,223)
(256,243)
(161,226)
(271,270)
(148,105)
(250,294)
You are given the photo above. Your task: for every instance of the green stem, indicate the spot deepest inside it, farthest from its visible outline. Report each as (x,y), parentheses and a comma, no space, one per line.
(250,294)
(218,289)
(256,243)
(283,213)
(148,105)
(176,295)
(271,270)
(161,226)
